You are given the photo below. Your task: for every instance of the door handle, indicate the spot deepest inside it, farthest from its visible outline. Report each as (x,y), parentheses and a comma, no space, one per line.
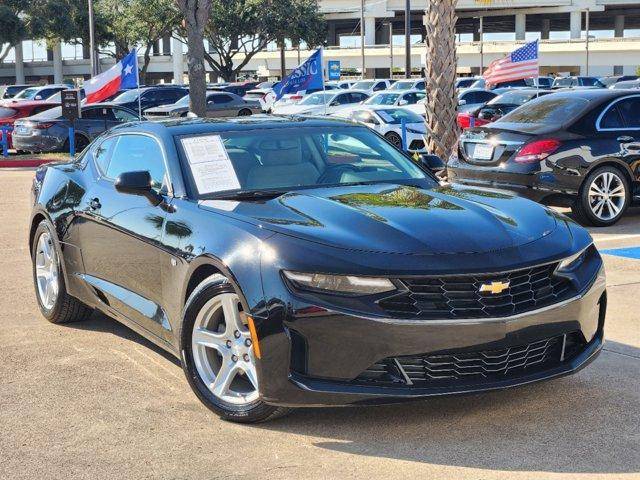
(94,204)
(626,139)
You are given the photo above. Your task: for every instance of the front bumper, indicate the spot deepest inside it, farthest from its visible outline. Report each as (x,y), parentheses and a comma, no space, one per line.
(322,352)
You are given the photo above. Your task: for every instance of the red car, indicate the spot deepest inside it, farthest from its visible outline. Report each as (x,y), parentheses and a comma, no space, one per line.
(10,112)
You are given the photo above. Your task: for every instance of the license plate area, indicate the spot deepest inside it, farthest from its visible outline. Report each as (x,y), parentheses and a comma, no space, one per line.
(22,130)
(483,151)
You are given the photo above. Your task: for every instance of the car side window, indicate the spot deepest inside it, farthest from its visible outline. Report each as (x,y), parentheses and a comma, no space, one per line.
(630,111)
(102,154)
(123,115)
(379,86)
(95,114)
(219,99)
(420,86)
(134,153)
(484,96)
(612,119)
(357,97)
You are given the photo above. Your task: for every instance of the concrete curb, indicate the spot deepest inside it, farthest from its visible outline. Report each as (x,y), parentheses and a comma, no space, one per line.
(26,162)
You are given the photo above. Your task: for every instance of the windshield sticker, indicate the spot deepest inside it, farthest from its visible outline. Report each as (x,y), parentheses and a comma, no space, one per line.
(385,116)
(210,164)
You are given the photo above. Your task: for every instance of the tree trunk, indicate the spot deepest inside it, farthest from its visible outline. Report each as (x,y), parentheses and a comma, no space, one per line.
(196,14)
(440,76)
(283,61)
(145,65)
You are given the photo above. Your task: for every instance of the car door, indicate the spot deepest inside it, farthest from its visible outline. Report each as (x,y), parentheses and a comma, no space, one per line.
(619,130)
(121,234)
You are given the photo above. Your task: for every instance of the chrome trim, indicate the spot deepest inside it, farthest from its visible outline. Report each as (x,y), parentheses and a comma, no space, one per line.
(508,143)
(407,380)
(606,110)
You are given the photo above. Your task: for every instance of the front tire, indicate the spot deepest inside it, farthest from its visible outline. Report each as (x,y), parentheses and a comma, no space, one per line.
(604,197)
(55,303)
(218,357)
(395,139)
(245,112)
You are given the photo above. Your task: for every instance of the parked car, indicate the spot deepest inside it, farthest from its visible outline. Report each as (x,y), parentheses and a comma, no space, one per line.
(344,84)
(9,114)
(37,93)
(266,97)
(10,91)
(577,149)
(472,98)
(372,86)
(322,103)
(219,104)
(320,266)
(610,81)
(466,82)
(579,82)
(626,85)
(498,107)
(293,98)
(49,131)
(411,84)
(540,82)
(150,97)
(238,88)
(480,83)
(396,98)
(387,121)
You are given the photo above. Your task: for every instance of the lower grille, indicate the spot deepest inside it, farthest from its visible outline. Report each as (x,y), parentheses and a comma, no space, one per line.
(416,145)
(461,296)
(464,367)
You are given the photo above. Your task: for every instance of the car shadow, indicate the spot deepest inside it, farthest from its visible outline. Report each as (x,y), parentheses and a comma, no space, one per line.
(629,224)
(585,423)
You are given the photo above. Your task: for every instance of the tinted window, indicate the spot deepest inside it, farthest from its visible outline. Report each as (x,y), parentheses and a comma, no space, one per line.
(358,97)
(341,99)
(630,111)
(380,86)
(217,99)
(551,109)
(420,86)
(612,119)
(95,114)
(137,153)
(102,154)
(123,116)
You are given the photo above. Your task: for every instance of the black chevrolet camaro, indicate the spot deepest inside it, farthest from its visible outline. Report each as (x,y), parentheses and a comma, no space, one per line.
(306,262)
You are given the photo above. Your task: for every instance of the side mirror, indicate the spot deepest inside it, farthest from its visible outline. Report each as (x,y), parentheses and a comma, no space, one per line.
(462,102)
(403,102)
(334,104)
(138,183)
(38,97)
(431,162)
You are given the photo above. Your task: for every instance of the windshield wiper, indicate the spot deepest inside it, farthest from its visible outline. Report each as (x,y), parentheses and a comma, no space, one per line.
(248,195)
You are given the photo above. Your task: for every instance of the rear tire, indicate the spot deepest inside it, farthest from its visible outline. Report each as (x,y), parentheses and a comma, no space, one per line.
(245,112)
(218,358)
(54,302)
(603,198)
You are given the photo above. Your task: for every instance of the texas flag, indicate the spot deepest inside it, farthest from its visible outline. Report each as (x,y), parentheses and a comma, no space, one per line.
(122,75)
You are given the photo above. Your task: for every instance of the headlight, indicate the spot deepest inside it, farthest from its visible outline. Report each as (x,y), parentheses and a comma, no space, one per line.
(411,130)
(570,263)
(340,283)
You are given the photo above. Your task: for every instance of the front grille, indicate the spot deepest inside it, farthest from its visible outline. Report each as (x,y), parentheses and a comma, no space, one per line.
(459,296)
(464,367)
(416,145)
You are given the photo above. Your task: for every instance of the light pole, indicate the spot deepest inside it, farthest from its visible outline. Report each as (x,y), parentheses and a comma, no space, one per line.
(587,27)
(362,35)
(481,32)
(391,50)
(92,42)
(407,39)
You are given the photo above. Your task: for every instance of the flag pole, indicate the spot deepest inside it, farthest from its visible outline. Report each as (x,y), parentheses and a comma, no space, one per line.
(324,90)
(138,86)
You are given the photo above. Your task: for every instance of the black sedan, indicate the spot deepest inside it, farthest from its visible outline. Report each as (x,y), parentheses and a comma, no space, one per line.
(578,149)
(49,131)
(305,261)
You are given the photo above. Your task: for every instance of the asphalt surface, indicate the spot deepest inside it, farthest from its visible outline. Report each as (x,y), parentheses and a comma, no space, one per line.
(95,400)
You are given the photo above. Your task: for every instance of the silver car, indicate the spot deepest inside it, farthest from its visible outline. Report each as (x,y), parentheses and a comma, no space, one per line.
(219,104)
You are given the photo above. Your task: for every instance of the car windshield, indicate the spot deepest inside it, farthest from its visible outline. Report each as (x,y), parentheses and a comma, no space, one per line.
(51,114)
(512,98)
(402,85)
(128,96)
(285,159)
(363,85)
(465,83)
(562,82)
(547,110)
(394,116)
(317,99)
(383,99)
(28,93)
(183,102)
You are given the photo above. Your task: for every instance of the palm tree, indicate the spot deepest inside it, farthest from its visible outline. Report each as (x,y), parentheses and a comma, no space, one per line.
(440,74)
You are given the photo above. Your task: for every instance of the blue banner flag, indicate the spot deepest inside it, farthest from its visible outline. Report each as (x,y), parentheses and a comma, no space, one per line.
(305,76)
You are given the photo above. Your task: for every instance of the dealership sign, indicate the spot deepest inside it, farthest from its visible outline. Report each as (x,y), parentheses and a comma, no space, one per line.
(334,69)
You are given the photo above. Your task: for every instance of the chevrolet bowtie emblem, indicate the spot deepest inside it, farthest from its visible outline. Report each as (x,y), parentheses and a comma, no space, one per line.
(494,287)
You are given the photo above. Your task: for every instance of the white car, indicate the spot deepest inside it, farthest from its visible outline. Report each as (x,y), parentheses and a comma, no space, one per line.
(389,98)
(409,84)
(322,103)
(39,93)
(387,121)
(265,96)
(372,86)
(344,84)
(293,98)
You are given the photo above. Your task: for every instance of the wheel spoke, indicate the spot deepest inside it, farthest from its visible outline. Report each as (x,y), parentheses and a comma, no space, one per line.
(232,317)
(210,339)
(226,374)
(617,192)
(613,208)
(607,181)
(598,208)
(250,372)
(594,190)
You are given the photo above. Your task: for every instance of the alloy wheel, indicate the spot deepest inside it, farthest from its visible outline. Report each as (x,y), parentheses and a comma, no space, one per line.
(47,272)
(222,350)
(607,196)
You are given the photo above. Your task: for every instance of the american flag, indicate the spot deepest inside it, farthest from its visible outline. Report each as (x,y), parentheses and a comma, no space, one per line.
(519,64)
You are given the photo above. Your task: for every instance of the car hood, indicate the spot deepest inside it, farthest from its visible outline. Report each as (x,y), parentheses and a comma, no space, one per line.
(297,109)
(166,109)
(393,218)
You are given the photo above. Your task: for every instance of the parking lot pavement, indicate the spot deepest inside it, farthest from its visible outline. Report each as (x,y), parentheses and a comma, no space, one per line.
(95,400)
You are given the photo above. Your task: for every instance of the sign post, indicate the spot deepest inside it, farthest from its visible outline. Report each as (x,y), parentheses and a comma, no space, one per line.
(334,69)
(4,131)
(71,111)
